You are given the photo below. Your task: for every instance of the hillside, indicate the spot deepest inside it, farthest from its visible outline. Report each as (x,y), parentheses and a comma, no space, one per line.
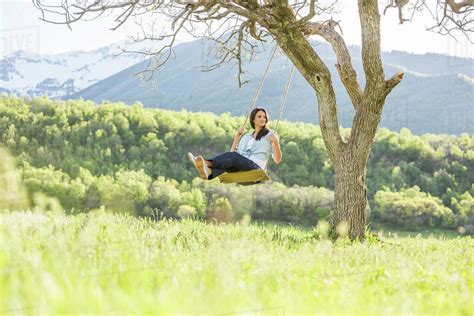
(87,155)
(433,97)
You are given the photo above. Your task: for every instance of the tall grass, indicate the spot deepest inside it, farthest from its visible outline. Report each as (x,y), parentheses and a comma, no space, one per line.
(109,264)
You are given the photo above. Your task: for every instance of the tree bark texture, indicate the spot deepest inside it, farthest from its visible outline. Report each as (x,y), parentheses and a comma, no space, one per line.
(349,217)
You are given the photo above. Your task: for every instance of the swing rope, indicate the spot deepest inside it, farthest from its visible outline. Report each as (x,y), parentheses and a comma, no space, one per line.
(287,88)
(252,105)
(285,95)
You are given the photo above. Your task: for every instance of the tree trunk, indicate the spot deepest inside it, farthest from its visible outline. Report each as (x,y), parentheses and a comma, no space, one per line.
(349,217)
(349,159)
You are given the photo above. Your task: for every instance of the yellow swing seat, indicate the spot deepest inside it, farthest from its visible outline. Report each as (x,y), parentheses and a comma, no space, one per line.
(244,177)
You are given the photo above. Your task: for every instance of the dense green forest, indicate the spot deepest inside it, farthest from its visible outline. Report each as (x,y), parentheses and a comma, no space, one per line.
(132,159)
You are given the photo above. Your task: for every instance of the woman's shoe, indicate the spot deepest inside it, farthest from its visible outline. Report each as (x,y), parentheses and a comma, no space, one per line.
(202,167)
(192,158)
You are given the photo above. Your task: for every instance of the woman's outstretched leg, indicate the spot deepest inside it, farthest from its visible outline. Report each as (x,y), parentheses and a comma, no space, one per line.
(230,162)
(226,162)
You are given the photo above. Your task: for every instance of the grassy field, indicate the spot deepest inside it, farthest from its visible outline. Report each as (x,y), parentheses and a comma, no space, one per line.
(109,264)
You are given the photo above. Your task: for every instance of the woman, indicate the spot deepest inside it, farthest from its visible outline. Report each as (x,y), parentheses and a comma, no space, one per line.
(253,150)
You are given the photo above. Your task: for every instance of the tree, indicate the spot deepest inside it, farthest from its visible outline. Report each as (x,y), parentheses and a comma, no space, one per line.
(238,26)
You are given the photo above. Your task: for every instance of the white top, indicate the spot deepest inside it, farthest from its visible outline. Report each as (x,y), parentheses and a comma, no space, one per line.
(257,151)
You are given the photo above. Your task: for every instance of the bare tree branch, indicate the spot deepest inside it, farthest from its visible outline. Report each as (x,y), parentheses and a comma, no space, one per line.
(370,29)
(241,19)
(393,82)
(292,41)
(460,7)
(450,16)
(348,75)
(397,4)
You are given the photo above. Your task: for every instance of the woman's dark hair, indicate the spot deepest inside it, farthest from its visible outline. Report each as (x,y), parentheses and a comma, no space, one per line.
(264,131)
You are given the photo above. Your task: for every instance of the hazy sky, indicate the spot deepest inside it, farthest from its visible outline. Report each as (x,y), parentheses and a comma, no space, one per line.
(20,28)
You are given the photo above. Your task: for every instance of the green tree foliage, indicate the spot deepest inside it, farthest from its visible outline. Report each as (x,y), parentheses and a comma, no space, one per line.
(55,183)
(403,160)
(12,190)
(463,206)
(221,210)
(124,157)
(135,193)
(412,208)
(186,211)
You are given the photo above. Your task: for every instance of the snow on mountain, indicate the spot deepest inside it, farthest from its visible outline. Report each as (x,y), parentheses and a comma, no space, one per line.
(466,78)
(30,74)
(411,72)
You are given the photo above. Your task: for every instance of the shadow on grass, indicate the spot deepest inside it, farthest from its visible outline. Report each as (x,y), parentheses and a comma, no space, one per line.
(385,230)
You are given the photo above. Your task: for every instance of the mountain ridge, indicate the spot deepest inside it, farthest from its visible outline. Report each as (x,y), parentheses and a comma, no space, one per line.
(416,103)
(59,75)
(433,97)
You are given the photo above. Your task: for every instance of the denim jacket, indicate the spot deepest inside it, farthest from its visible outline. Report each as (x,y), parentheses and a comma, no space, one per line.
(258,151)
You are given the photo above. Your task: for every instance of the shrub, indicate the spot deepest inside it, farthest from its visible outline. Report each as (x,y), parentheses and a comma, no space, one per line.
(165,197)
(185,211)
(221,211)
(412,209)
(12,192)
(464,208)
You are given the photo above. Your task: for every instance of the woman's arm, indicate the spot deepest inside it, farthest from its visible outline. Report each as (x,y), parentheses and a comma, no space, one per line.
(237,137)
(276,147)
